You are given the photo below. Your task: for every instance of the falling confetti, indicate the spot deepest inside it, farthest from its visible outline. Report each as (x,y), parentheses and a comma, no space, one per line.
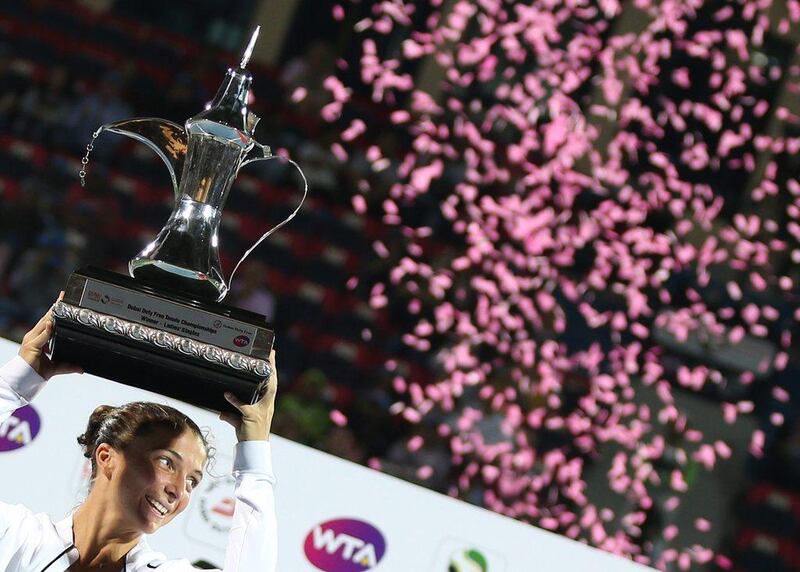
(338,418)
(575,229)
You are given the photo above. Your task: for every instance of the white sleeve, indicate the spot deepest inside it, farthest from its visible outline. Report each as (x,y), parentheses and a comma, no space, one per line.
(19,384)
(253,538)
(22,536)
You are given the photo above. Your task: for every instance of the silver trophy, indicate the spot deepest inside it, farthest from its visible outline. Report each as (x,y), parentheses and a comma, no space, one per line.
(163,327)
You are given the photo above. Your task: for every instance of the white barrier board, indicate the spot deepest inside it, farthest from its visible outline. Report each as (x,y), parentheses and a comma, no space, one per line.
(333,515)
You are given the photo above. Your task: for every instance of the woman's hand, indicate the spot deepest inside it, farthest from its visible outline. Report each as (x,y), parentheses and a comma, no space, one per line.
(254,421)
(33,345)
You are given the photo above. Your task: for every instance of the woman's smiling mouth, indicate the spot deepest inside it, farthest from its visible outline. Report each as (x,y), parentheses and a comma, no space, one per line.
(157,507)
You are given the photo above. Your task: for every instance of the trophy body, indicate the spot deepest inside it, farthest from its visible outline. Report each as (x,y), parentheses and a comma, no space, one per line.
(163,328)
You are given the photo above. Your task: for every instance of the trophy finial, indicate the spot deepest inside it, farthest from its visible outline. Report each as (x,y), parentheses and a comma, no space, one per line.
(249,50)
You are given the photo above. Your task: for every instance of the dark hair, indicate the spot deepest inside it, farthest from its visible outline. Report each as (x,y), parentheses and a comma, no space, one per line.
(120,426)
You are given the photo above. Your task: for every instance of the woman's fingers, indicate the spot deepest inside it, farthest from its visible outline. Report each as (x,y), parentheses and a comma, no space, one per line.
(267,399)
(272,385)
(235,401)
(231,419)
(274,366)
(43,335)
(38,328)
(255,420)
(43,321)
(272,389)
(33,344)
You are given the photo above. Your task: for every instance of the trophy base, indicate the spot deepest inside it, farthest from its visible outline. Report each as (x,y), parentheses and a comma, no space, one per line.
(135,333)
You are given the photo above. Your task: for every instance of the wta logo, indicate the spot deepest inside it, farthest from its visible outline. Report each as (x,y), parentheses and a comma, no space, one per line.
(344,545)
(19,429)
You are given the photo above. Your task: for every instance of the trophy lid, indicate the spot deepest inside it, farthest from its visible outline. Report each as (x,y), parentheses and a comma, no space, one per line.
(229,105)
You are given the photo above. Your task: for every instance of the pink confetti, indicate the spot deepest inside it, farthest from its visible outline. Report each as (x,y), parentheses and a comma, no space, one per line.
(677,482)
(757,443)
(415,443)
(551,207)
(702,524)
(780,394)
(359,204)
(339,152)
(672,503)
(299,94)
(357,127)
(425,472)
(338,418)
(339,92)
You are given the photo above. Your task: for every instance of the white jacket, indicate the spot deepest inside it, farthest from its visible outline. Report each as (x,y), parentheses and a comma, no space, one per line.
(32,542)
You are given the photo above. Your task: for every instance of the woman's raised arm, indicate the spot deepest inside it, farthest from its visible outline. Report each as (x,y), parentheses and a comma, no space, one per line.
(253,540)
(23,377)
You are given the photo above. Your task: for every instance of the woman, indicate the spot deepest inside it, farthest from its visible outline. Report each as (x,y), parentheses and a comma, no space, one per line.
(146,460)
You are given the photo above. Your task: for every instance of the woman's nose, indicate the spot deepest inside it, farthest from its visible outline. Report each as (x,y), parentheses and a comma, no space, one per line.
(173,486)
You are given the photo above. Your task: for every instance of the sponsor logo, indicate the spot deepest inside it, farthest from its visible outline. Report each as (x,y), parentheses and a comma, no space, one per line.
(470,560)
(19,429)
(208,518)
(205,565)
(455,555)
(216,504)
(103,298)
(217,324)
(241,341)
(344,545)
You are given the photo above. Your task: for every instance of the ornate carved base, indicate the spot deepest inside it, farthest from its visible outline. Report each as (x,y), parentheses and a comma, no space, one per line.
(171,353)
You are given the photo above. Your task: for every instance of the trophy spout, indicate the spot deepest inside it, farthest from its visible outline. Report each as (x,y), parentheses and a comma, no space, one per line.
(166,138)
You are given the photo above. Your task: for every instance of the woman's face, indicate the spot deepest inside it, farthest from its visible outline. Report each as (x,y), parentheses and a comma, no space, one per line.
(159,472)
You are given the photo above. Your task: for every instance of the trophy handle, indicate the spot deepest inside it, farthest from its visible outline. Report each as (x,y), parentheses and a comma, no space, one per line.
(259,152)
(262,153)
(166,138)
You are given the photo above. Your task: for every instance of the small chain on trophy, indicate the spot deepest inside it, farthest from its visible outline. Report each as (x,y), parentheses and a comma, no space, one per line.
(85,159)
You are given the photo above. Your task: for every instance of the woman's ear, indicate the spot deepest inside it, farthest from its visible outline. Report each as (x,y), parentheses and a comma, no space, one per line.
(106,459)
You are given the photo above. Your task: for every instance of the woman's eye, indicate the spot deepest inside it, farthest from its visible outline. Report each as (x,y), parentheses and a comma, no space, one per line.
(165,462)
(192,483)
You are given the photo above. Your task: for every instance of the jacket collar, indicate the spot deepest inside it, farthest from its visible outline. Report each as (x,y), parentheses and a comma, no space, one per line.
(65,533)
(64,529)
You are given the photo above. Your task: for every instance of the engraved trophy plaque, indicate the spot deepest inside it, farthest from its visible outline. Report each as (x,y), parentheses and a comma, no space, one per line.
(163,328)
